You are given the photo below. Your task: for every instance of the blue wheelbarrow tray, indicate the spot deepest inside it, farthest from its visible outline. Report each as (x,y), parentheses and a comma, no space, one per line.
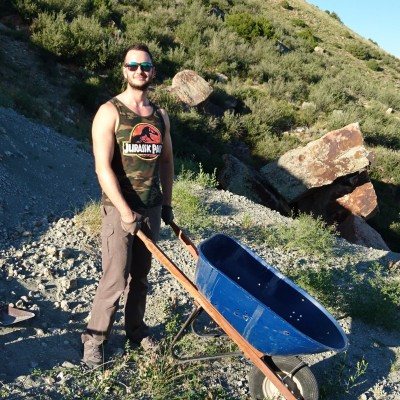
(266,308)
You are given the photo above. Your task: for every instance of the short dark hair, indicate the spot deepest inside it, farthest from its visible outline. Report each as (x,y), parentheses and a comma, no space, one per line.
(140,47)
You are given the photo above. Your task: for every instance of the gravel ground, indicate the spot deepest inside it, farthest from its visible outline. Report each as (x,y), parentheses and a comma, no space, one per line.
(51,266)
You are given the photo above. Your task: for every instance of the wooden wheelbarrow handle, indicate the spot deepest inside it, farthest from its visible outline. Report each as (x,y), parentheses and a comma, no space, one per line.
(185,240)
(248,350)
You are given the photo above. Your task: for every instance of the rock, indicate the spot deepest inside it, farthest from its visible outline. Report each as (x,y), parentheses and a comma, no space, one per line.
(240,179)
(308,105)
(335,202)
(282,48)
(356,230)
(64,284)
(51,251)
(66,254)
(221,77)
(190,88)
(362,201)
(319,163)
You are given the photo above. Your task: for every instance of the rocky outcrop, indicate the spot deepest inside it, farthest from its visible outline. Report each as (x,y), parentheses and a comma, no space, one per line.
(328,178)
(336,154)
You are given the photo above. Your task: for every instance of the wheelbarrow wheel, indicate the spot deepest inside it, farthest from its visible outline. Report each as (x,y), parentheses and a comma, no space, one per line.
(296,375)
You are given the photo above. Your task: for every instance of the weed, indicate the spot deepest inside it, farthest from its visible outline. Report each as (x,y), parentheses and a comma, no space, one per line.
(190,210)
(342,378)
(90,217)
(306,235)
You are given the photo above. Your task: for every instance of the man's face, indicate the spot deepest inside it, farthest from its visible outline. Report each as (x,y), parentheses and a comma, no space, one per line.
(138,76)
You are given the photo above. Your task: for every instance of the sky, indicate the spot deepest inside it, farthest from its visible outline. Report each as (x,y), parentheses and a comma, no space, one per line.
(373,19)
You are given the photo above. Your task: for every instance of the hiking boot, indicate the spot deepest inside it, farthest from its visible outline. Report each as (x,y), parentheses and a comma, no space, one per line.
(93,353)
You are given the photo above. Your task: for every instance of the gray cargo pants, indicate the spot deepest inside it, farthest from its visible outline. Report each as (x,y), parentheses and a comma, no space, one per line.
(126,263)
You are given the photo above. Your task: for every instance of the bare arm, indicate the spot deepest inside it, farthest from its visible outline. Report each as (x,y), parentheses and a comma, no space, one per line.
(166,163)
(103,128)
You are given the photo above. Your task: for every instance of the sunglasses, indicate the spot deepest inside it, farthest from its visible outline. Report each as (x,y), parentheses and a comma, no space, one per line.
(144,66)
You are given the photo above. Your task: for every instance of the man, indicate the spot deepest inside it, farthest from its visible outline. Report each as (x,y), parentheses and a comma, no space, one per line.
(133,156)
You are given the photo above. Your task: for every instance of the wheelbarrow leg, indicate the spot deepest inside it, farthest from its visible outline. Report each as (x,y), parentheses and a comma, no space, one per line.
(197,310)
(193,315)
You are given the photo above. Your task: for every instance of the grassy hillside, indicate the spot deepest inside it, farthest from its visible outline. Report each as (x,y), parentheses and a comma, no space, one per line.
(295,71)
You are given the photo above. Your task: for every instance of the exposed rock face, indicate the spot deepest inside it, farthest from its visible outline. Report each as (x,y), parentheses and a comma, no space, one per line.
(190,88)
(328,177)
(240,179)
(319,163)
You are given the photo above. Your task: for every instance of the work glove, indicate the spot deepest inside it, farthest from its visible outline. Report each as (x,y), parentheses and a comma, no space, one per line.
(134,226)
(167,214)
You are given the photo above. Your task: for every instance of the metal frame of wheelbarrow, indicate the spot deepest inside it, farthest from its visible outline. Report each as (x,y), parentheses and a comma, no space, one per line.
(259,359)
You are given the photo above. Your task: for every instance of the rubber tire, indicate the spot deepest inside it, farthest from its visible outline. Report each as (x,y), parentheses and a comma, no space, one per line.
(303,383)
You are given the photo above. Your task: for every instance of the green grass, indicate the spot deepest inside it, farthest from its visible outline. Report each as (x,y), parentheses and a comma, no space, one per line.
(370,294)
(306,236)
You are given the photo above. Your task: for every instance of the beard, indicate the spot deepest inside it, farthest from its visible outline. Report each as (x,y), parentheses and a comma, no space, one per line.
(144,86)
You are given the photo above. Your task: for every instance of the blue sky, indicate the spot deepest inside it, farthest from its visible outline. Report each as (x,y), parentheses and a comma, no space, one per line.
(373,19)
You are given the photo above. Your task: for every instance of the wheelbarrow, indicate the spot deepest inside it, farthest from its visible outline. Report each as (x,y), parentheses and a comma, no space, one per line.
(270,318)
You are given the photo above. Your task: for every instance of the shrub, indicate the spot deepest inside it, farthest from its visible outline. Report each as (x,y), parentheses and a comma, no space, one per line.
(270,147)
(276,117)
(331,93)
(307,235)
(335,16)
(386,167)
(53,34)
(89,41)
(359,51)
(249,27)
(374,65)
(285,4)
(299,22)
(82,40)
(308,37)
(339,118)
(189,208)
(87,93)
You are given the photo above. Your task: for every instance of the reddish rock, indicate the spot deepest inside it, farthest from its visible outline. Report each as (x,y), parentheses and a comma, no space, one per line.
(319,163)
(352,194)
(362,201)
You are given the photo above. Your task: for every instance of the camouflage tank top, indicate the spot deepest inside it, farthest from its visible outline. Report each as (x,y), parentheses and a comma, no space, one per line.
(138,145)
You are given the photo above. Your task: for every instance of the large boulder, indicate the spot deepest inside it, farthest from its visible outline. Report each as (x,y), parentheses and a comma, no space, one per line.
(338,153)
(190,88)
